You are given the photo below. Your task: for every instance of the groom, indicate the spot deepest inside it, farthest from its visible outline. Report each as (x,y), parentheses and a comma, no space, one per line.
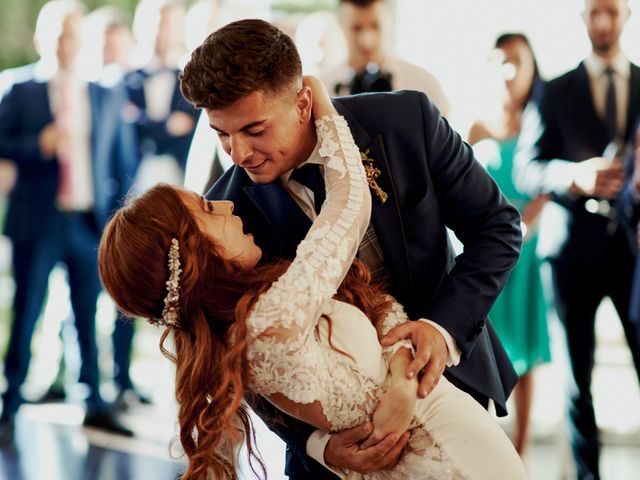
(248,78)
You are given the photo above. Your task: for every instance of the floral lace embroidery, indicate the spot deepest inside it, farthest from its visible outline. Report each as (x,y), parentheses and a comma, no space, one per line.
(394,317)
(423,458)
(284,354)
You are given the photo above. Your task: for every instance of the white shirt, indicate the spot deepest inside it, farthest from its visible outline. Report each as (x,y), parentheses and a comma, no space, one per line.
(599,82)
(79,131)
(302,195)
(158,92)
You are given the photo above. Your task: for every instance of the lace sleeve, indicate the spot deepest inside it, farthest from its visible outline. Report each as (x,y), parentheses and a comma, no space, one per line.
(283,353)
(394,317)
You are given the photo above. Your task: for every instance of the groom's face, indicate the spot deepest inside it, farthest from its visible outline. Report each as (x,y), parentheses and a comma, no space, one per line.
(266,134)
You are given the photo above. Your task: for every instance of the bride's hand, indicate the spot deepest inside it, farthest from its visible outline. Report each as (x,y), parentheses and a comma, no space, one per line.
(321,102)
(394,411)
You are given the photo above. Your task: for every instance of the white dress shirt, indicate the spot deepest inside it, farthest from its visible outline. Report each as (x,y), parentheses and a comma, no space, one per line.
(158,92)
(302,195)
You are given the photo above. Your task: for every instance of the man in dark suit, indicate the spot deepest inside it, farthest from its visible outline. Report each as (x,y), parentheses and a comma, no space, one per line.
(164,120)
(170,134)
(75,158)
(585,116)
(423,178)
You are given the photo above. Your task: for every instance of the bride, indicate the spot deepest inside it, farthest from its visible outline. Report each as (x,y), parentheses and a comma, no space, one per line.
(302,334)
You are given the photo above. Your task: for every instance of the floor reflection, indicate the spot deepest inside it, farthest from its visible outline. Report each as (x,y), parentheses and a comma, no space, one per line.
(52,444)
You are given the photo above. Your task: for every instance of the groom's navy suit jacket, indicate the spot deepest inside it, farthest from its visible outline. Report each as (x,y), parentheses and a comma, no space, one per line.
(432,181)
(628,212)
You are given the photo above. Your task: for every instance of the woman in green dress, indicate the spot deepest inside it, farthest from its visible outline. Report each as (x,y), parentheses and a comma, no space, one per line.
(519,314)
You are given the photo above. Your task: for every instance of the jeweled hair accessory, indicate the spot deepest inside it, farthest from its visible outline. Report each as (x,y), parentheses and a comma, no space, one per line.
(171,310)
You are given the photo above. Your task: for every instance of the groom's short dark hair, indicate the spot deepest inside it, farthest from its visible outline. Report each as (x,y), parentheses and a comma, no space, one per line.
(238,59)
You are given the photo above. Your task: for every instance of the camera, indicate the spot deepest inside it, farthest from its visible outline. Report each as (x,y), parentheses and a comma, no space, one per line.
(371,79)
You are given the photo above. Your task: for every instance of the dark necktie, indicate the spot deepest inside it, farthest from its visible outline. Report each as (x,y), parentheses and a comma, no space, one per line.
(309,175)
(369,250)
(611,106)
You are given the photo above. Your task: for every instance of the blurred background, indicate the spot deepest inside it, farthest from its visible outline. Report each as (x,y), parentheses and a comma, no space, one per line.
(452,40)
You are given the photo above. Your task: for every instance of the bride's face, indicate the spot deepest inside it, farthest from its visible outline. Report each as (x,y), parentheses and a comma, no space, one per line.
(216,219)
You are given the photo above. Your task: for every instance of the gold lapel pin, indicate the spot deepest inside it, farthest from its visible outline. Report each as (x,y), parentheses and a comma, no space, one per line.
(372,174)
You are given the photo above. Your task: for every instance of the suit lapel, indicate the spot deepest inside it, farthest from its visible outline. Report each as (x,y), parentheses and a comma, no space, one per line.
(135,89)
(100,135)
(585,108)
(282,213)
(177,100)
(387,221)
(386,218)
(38,94)
(94,107)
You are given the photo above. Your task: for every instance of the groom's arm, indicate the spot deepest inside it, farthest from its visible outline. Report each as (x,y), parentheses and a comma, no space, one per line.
(473,207)
(485,222)
(326,456)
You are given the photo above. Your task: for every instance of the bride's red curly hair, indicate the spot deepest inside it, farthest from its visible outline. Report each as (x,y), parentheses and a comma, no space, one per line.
(210,344)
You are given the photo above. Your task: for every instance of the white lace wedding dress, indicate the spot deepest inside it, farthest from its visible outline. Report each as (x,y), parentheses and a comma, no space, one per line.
(289,351)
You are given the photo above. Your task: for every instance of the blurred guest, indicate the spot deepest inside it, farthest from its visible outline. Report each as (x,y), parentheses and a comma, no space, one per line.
(75,158)
(370,66)
(117,44)
(584,115)
(165,121)
(116,50)
(519,314)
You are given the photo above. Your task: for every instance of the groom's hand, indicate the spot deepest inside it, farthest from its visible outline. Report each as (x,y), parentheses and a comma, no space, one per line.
(431,352)
(343,450)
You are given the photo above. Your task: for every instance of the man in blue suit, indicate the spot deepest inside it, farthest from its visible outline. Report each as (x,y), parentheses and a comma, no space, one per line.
(247,77)
(585,115)
(75,158)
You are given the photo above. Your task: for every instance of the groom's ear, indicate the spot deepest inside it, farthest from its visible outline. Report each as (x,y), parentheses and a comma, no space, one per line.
(304,104)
